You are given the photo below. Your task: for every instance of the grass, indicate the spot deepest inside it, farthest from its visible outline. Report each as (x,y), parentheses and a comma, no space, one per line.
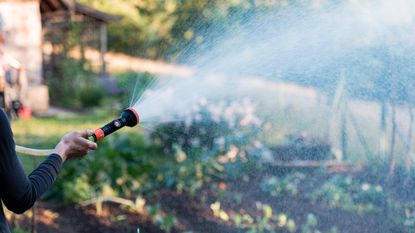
(45,132)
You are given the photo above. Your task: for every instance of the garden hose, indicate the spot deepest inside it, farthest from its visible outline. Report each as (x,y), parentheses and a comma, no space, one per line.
(34,152)
(128,117)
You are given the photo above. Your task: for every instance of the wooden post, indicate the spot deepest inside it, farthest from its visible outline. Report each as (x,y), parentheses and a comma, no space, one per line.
(409,140)
(343,131)
(392,159)
(82,42)
(360,135)
(383,137)
(103,46)
(337,112)
(343,117)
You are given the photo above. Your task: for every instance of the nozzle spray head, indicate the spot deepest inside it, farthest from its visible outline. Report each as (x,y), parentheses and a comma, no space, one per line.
(129,117)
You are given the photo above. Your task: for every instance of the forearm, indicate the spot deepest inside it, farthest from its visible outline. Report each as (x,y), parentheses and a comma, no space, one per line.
(22,191)
(45,174)
(17,190)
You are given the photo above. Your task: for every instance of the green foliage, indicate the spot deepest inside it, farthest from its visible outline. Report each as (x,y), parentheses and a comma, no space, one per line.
(213,141)
(126,163)
(402,212)
(349,194)
(18,229)
(91,96)
(264,221)
(288,184)
(77,190)
(73,85)
(164,221)
(132,165)
(310,225)
(161,28)
(71,82)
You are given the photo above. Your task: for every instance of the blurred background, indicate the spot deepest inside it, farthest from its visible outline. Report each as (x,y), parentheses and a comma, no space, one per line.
(258,115)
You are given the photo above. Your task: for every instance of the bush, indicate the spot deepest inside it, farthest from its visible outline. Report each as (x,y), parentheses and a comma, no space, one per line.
(350,194)
(127,163)
(77,190)
(91,96)
(74,86)
(214,137)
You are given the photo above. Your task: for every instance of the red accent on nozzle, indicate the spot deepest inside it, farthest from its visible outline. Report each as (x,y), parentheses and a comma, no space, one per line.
(135,114)
(99,134)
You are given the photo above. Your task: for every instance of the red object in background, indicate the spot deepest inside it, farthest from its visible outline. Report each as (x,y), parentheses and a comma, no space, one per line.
(222,186)
(25,113)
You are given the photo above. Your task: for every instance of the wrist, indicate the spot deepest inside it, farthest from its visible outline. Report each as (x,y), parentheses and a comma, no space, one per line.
(60,150)
(63,156)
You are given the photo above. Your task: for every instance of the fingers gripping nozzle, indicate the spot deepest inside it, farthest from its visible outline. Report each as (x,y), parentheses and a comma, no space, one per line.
(128,117)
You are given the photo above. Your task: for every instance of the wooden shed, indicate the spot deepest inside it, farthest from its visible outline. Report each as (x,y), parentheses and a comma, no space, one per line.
(24,26)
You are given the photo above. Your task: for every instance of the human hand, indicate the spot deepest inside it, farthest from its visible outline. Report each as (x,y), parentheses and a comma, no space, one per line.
(75,145)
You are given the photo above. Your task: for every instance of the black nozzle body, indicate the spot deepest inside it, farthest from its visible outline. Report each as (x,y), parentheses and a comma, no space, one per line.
(128,117)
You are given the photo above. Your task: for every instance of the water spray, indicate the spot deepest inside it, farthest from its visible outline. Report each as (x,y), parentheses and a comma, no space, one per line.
(129,117)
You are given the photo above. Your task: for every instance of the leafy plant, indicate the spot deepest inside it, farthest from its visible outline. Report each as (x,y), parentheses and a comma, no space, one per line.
(18,229)
(288,184)
(213,141)
(349,194)
(91,96)
(77,190)
(164,221)
(264,221)
(73,85)
(310,225)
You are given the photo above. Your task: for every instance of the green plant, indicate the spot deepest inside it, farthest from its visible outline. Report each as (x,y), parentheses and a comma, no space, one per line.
(18,229)
(350,194)
(74,85)
(91,96)
(126,163)
(403,214)
(264,221)
(288,184)
(164,221)
(214,140)
(310,226)
(77,190)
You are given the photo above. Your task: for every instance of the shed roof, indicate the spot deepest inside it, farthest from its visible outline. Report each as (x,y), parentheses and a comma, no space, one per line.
(50,6)
(94,13)
(55,5)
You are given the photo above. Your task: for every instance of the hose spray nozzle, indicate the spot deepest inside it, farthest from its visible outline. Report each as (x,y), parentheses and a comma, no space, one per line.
(129,117)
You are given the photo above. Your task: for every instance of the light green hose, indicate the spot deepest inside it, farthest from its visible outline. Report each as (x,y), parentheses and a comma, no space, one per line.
(34,152)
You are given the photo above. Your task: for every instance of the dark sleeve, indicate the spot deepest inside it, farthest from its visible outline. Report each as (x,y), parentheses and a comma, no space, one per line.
(18,191)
